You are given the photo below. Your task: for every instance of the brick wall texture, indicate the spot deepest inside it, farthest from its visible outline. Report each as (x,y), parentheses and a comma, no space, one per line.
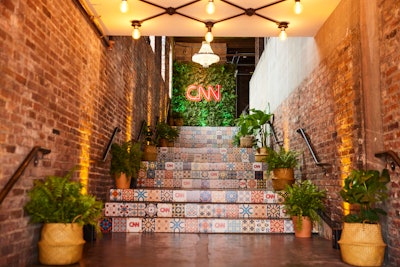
(330,105)
(64,90)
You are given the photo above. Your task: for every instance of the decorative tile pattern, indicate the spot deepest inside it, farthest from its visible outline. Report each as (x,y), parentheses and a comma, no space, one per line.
(191,210)
(164,210)
(148,225)
(178,210)
(151,210)
(119,224)
(177,225)
(133,225)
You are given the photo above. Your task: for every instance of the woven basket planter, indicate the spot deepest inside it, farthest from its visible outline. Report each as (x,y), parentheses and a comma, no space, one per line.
(150,153)
(61,243)
(361,244)
(246,141)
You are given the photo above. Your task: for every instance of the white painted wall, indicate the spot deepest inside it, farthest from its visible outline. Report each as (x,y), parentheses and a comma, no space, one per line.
(282,67)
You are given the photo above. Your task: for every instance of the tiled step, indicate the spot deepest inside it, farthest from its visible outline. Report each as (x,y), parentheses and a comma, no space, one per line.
(204,166)
(197,137)
(196,225)
(195,196)
(205,154)
(195,210)
(183,183)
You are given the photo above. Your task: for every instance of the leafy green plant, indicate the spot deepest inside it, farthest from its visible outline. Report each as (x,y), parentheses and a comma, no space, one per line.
(260,119)
(281,159)
(303,199)
(59,200)
(365,188)
(204,113)
(126,158)
(166,131)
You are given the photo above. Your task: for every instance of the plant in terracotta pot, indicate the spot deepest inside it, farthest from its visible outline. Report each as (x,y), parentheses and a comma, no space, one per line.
(361,240)
(282,164)
(302,201)
(125,163)
(59,203)
(166,134)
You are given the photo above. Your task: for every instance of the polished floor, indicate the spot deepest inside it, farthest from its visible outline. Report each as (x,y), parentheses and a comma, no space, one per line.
(209,250)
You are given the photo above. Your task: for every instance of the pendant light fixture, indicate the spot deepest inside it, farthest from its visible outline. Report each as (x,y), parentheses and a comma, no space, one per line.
(209,36)
(124,6)
(205,56)
(283,26)
(298,7)
(210,7)
(136,32)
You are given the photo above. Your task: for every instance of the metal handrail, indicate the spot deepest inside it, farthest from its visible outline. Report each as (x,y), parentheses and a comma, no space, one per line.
(391,154)
(31,156)
(116,130)
(314,156)
(274,134)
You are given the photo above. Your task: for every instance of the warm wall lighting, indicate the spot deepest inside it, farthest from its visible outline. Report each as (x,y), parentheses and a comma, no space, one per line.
(205,56)
(136,32)
(210,8)
(123,6)
(283,35)
(298,7)
(209,36)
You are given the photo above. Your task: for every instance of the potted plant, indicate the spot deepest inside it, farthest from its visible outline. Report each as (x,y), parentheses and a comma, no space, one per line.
(302,201)
(244,136)
(150,148)
(260,119)
(282,164)
(59,203)
(125,163)
(361,240)
(166,134)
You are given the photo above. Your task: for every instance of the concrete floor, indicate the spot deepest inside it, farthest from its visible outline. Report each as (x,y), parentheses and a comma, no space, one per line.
(209,250)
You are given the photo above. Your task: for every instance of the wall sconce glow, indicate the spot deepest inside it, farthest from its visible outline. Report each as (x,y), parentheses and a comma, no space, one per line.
(124,6)
(210,8)
(84,159)
(283,26)
(136,32)
(205,56)
(298,7)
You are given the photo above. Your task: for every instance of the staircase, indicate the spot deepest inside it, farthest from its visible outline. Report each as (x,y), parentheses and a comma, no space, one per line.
(202,185)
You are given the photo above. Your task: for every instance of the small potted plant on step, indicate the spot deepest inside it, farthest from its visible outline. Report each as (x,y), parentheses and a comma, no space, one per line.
(166,134)
(126,161)
(59,203)
(282,164)
(361,242)
(302,201)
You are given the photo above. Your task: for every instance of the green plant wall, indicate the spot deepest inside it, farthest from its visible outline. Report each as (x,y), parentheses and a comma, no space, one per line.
(204,113)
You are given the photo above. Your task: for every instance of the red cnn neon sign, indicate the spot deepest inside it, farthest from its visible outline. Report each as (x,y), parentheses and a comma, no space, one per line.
(203,93)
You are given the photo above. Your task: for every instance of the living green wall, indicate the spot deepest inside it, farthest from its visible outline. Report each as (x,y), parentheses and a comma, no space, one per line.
(203,112)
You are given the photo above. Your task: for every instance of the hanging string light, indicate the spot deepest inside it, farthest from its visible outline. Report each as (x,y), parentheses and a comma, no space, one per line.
(209,36)
(136,32)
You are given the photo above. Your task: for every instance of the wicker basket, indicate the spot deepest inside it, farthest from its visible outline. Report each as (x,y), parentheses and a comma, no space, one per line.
(361,244)
(246,141)
(61,244)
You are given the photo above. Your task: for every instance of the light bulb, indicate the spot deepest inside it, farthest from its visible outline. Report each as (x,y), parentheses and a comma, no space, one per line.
(298,7)
(124,6)
(209,37)
(283,35)
(210,8)
(135,33)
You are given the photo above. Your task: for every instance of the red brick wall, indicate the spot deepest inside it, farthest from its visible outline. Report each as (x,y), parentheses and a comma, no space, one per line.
(329,106)
(62,89)
(390,86)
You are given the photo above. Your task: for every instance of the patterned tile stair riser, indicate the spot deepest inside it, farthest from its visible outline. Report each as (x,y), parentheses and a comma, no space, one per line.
(202,185)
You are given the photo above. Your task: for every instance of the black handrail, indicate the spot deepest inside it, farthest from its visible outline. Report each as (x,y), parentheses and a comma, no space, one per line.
(274,135)
(317,162)
(31,156)
(116,130)
(390,154)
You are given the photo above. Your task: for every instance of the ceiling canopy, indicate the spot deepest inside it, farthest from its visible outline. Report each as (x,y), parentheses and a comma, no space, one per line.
(232,18)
